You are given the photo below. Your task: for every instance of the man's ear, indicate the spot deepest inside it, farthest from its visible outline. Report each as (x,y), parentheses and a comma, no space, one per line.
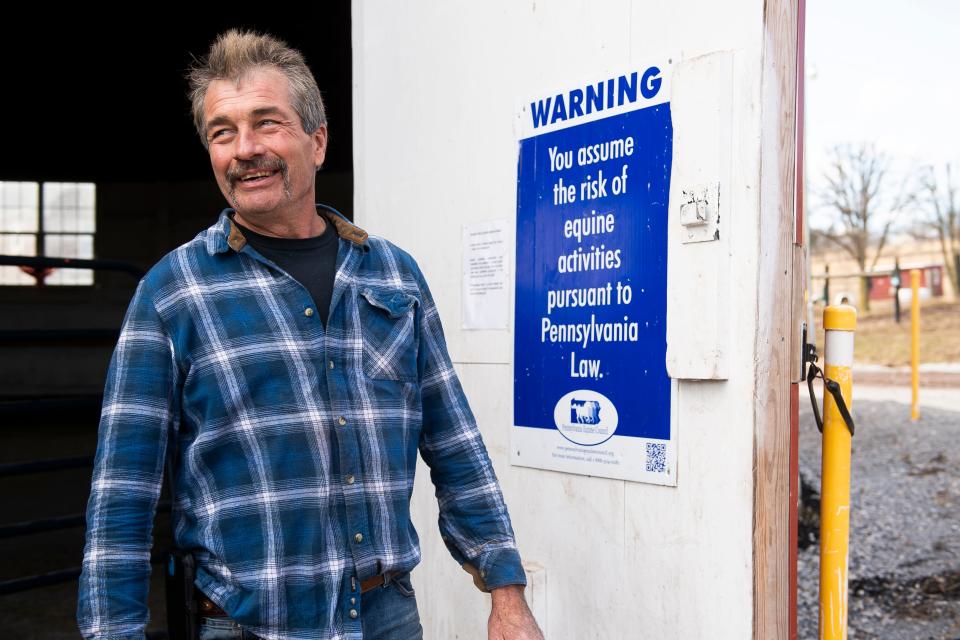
(320,139)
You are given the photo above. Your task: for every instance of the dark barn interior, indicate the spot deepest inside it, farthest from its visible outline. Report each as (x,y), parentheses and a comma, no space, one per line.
(100,99)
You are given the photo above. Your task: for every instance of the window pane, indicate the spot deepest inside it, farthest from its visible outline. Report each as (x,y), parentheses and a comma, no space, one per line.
(21,244)
(71,277)
(69,206)
(52,207)
(70,246)
(18,206)
(17,245)
(86,191)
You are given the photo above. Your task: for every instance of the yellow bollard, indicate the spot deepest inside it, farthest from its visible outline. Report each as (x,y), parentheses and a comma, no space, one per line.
(915,344)
(839,323)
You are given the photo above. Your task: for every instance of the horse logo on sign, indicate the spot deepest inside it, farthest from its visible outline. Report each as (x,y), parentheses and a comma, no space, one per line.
(584,411)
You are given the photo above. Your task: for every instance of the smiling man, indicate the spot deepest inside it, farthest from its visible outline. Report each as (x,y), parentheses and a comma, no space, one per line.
(292,366)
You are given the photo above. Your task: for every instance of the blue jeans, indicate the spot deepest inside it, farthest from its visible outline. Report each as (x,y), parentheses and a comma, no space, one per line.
(389,613)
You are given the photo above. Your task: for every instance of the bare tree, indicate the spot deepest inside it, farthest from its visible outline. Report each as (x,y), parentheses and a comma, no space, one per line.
(938,199)
(856,189)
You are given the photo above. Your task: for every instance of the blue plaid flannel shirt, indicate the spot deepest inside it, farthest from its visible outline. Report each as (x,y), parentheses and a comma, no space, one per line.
(296,446)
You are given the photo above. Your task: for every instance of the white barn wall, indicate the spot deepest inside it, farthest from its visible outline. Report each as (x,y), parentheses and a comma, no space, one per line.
(436,90)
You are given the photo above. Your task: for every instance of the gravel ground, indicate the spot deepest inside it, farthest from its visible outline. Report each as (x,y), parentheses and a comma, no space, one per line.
(904,563)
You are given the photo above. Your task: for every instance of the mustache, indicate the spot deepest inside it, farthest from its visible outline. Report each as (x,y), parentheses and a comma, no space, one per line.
(258,164)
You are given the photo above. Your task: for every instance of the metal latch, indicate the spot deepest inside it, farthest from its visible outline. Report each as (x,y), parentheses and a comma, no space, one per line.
(832,386)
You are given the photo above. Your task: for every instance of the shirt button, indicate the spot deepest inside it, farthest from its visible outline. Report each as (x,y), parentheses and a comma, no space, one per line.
(353,613)
(308,311)
(358,538)
(351,479)
(342,421)
(331,364)
(353,601)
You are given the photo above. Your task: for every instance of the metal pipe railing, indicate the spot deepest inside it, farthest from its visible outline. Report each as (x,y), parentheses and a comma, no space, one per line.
(56,523)
(49,464)
(57,577)
(31,406)
(56,337)
(43,262)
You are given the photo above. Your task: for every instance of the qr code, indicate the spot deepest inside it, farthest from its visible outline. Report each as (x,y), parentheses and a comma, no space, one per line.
(657,457)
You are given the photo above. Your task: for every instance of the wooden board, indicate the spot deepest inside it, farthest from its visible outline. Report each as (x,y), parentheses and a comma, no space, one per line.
(774,342)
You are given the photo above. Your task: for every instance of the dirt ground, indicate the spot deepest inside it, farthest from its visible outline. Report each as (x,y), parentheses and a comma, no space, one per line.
(881,340)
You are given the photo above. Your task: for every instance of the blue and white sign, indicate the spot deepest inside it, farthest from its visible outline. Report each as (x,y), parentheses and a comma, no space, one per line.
(591,391)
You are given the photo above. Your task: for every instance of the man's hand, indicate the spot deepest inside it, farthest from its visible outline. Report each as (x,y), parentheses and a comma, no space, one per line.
(510,617)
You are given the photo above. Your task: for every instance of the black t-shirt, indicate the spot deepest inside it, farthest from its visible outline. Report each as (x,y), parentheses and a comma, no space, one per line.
(310,261)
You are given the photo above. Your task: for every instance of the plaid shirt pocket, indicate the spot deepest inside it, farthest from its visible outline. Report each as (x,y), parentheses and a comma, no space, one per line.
(388,320)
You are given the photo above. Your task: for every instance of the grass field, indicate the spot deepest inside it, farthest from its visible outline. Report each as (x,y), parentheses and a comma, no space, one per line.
(880,340)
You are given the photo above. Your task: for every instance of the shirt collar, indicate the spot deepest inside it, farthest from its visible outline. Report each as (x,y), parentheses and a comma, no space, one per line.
(225,235)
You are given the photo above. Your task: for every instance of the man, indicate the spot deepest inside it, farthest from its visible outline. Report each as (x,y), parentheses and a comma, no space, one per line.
(292,365)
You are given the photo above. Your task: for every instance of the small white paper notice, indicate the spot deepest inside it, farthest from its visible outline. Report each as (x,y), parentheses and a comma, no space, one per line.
(485,275)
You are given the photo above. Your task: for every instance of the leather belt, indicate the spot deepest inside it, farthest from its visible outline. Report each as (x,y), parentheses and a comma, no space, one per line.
(207,608)
(371,583)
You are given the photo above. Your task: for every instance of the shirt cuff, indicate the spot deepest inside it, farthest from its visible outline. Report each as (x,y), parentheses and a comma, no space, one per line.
(498,568)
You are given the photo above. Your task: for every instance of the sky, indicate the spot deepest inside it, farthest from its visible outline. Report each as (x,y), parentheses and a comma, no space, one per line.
(886,72)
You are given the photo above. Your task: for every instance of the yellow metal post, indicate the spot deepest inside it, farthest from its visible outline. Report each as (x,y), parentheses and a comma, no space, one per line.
(915,343)
(839,323)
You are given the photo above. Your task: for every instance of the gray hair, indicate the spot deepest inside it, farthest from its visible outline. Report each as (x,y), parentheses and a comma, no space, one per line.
(235,54)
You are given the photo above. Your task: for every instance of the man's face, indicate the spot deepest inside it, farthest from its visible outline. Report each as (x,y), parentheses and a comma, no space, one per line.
(263,160)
